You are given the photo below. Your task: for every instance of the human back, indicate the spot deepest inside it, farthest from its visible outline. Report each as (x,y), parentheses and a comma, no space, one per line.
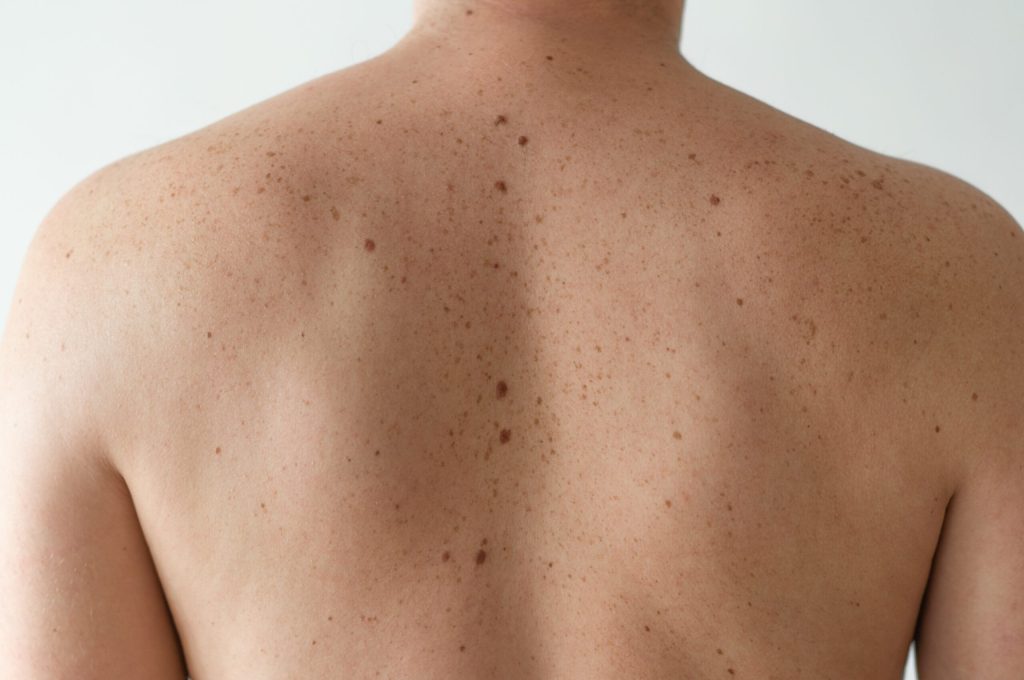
(540,366)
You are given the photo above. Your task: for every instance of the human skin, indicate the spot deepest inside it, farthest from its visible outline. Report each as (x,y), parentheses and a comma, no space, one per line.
(522,350)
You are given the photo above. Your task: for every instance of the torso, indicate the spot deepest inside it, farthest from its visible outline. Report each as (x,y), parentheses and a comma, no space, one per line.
(649,409)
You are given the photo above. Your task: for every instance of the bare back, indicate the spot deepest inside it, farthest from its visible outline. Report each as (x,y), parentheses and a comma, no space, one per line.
(530,374)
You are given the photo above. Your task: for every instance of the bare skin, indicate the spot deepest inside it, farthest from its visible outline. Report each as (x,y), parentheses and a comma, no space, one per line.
(516,353)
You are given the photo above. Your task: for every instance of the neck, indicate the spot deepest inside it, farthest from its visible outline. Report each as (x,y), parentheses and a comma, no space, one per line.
(618,26)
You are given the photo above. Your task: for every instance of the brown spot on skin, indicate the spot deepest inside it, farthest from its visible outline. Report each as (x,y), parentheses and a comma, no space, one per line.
(209,334)
(330,618)
(500,186)
(523,140)
(739,301)
(462,648)
(647,628)
(974,396)
(481,555)
(306,198)
(550,564)
(937,428)
(731,671)
(677,435)
(377,452)
(719,650)
(715,200)
(668,503)
(68,254)
(445,556)
(335,214)
(505,436)
(877,184)
(500,120)
(502,389)
(369,245)
(549,57)
(692,156)
(468,12)
(217,451)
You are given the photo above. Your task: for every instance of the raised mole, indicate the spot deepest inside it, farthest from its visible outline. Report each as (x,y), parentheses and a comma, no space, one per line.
(500,186)
(502,389)
(369,245)
(715,200)
(505,436)
(523,140)
(481,555)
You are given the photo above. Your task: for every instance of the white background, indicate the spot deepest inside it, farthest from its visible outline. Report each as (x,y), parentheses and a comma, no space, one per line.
(84,83)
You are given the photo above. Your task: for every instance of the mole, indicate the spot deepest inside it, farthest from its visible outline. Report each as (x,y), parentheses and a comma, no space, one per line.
(369,245)
(668,503)
(462,648)
(500,186)
(974,396)
(209,334)
(677,435)
(468,12)
(502,389)
(523,140)
(719,650)
(445,556)
(500,120)
(739,301)
(505,436)
(647,628)
(549,58)
(937,428)
(481,555)
(715,200)
(217,451)
(877,183)
(731,671)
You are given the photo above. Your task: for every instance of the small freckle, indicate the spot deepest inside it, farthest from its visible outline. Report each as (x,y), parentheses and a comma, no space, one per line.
(481,555)
(209,334)
(715,200)
(647,628)
(468,12)
(369,245)
(549,57)
(877,183)
(677,435)
(335,214)
(462,648)
(306,198)
(692,156)
(937,428)
(974,396)
(731,671)
(500,120)
(668,503)
(505,436)
(271,153)
(523,140)
(217,450)
(68,254)
(445,556)
(739,301)
(502,389)
(500,186)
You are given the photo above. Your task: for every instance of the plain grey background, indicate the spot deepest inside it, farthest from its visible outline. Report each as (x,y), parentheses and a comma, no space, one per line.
(940,82)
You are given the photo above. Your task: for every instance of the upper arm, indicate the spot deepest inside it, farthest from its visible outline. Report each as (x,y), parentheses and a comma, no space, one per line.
(80,595)
(971,623)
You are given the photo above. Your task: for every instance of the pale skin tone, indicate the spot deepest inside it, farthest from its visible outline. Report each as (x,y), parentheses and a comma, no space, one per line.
(524,350)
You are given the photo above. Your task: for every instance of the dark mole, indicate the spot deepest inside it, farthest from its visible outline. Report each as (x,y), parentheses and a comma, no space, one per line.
(369,245)
(677,435)
(377,452)
(500,186)
(549,57)
(379,121)
(505,436)
(500,120)
(481,556)
(445,556)
(462,648)
(647,628)
(937,428)
(668,503)
(522,140)
(719,650)
(739,301)
(715,200)
(209,334)
(974,396)
(502,389)
(731,671)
